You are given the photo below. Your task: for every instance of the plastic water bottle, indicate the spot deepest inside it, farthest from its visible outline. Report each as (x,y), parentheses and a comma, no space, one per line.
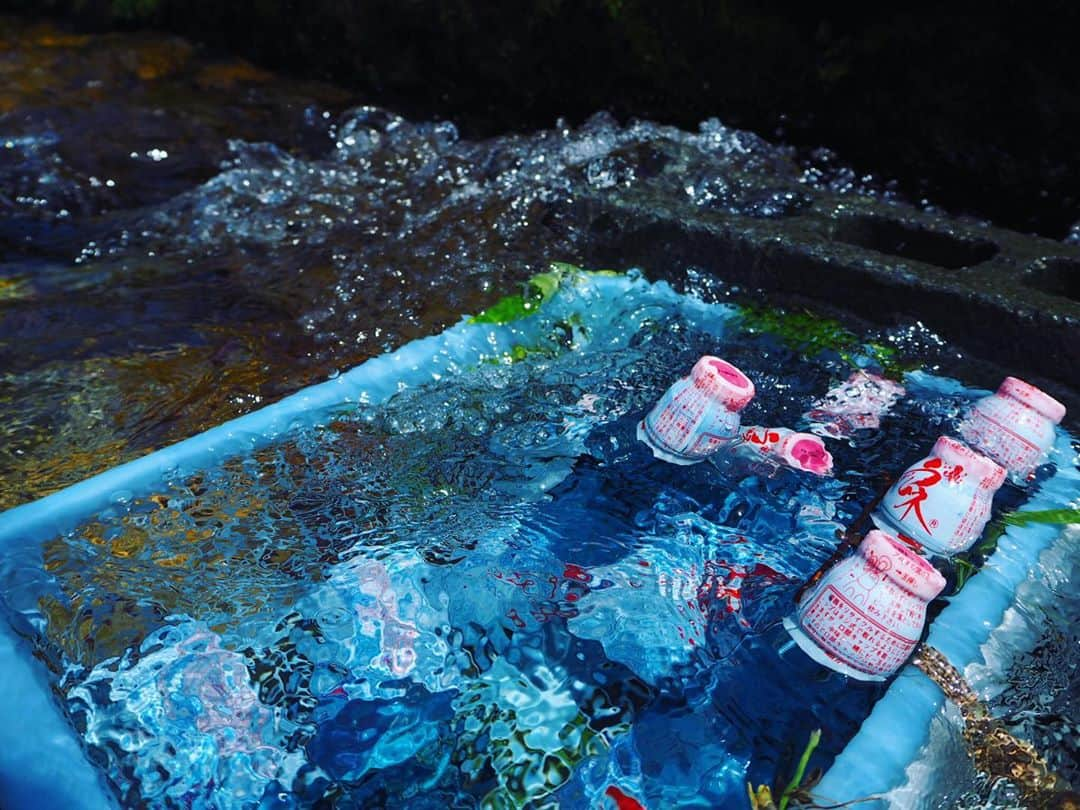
(1014,426)
(865,616)
(943,501)
(699,414)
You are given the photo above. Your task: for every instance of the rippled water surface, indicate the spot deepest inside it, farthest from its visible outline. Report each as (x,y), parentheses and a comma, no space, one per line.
(484,592)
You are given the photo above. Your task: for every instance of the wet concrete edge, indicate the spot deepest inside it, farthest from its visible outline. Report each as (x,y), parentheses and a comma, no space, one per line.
(1010,299)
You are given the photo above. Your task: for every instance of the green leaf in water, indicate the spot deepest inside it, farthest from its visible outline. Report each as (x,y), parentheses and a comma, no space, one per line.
(964,571)
(1054,517)
(796,780)
(968,564)
(545,285)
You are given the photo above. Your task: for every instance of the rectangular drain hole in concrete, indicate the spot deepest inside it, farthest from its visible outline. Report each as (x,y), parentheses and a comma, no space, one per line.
(1055,275)
(911,242)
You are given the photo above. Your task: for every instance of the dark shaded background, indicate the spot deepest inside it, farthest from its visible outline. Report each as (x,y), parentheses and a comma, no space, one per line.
(979,110)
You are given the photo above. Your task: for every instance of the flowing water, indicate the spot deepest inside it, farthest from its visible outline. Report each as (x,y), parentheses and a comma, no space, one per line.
(473,595)
(485,590)
(185,240)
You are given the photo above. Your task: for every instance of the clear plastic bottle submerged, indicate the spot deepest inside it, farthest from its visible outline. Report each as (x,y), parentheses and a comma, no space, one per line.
(698,414)
(1014,426)
(943,501)
(866,614)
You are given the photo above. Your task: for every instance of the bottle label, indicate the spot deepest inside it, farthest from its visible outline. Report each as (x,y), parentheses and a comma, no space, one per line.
(991,434)
(687,422)
(938,505)
(852,635)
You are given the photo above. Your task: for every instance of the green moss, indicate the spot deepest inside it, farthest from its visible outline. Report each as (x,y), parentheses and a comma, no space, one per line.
(567,269)
(811,334)
(519,352)
(538,290)
(508,309)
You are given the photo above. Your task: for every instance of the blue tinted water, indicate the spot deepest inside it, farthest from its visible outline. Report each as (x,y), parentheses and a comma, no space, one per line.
(485,592)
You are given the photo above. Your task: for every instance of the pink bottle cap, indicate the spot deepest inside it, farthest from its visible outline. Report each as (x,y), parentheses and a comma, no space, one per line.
(1033,398)
(804,451)
(902,565)
(990,475)
(723,381)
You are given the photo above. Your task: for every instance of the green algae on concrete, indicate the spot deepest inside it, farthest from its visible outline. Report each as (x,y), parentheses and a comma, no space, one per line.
(811,334)
(538,290)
